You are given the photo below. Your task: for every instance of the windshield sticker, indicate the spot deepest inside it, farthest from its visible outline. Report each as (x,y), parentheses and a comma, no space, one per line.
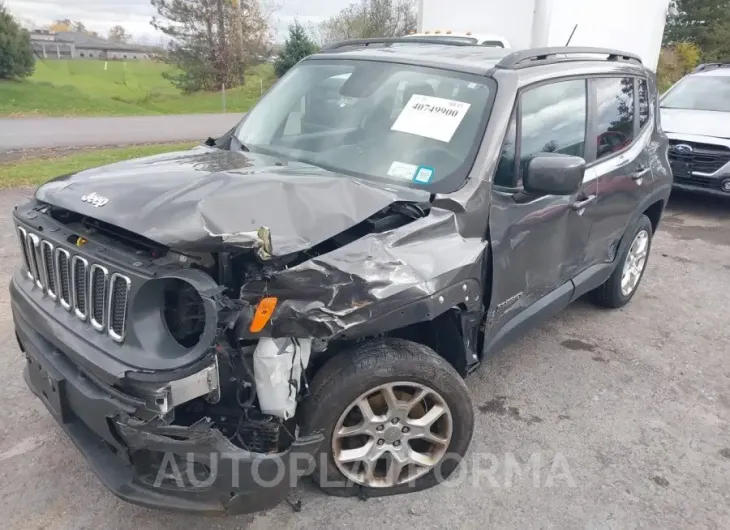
(431,117)
(400,170)
(424,174)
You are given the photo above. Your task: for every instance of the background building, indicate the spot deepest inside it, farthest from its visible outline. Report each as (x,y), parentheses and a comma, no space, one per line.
(74,45)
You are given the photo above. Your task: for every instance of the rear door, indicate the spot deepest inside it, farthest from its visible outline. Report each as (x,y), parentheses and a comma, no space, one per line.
(620,162)
(538,243)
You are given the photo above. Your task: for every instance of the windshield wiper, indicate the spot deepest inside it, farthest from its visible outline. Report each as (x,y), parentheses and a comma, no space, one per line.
(226,142)
(239,145)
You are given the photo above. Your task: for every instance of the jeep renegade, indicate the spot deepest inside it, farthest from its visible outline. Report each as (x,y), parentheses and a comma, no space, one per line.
(305,293)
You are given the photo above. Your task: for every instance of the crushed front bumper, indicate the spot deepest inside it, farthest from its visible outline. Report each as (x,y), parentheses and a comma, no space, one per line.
(194,469)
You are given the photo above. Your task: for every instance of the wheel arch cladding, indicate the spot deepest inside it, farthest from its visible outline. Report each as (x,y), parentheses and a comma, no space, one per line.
(654,213)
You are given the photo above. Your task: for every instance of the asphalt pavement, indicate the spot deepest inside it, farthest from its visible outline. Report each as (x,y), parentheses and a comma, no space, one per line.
(623,416)
(47,133)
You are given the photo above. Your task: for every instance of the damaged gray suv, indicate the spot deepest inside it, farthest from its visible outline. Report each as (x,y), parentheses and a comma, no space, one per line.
(304,295)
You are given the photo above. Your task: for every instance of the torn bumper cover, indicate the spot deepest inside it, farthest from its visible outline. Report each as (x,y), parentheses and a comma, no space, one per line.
(186,468)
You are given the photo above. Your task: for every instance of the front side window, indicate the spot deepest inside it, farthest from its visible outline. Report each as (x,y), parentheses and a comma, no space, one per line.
(413,126)
(700,92)
(615,117)
(552,119)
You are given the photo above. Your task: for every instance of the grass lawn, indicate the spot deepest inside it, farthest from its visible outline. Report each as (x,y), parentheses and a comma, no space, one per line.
(36,171)
(117,88)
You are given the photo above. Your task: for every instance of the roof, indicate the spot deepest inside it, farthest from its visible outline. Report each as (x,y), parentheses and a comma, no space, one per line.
(472,59)
(84,40)
(484,60)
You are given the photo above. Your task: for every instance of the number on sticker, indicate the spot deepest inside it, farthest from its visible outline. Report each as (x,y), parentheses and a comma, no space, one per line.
(435,109)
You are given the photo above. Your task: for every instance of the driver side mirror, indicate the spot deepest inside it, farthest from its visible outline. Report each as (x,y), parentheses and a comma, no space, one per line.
(554,174)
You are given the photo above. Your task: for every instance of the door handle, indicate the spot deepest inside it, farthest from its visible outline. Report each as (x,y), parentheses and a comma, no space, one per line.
(641,172)
(579,205)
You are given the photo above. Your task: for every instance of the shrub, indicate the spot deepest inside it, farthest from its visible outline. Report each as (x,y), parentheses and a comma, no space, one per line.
(16,52)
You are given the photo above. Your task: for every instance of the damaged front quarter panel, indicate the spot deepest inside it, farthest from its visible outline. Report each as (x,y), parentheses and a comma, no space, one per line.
(380,282)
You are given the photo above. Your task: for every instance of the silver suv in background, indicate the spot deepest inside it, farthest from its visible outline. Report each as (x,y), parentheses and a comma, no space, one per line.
(695,115)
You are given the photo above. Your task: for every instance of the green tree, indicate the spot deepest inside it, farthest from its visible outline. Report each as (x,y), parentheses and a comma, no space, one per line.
(16,52)
(212,41)
(297,47)
(364,19)
(705,23)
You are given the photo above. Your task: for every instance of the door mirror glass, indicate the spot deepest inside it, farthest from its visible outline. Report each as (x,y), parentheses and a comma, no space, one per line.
(554,174)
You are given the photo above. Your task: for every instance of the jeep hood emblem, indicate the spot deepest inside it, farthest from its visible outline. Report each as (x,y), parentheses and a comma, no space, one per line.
(97,201)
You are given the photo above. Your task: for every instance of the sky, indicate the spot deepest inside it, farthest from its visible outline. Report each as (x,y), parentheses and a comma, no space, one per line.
(135,15)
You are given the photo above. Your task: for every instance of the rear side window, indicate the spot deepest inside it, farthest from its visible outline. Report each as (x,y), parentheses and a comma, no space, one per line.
(615,117)
(644,103)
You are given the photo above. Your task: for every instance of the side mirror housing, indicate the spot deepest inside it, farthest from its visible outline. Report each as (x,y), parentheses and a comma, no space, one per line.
(554,174)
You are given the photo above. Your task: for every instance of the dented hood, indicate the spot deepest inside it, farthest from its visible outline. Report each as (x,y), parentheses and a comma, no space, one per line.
(203,197)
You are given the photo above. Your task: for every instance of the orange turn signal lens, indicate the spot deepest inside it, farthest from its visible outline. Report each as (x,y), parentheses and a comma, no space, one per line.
(263,313)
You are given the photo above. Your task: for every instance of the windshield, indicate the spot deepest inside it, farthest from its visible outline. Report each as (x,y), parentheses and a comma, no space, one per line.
(412,126)
(702,92)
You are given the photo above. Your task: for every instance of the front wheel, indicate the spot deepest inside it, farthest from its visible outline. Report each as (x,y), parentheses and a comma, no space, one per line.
(396,417)
(620,288)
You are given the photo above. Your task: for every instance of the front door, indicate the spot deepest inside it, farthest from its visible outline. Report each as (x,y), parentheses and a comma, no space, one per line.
(538,243)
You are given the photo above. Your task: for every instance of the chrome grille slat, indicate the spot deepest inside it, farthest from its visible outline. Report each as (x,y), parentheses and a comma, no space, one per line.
(32,244)
(118,301)
(63,263)
(98,279)
(49,269)
(79,290)
(89,289)
(23,236)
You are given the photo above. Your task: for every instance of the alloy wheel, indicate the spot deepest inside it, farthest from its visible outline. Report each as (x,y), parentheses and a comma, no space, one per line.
(635,263)
(392,434)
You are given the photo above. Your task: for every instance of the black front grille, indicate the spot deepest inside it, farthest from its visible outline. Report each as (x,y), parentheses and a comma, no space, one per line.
(48,268)
(701,182)
(86,289)
(704,158)
(78,277)
(118,306)
(99,277)
(64,278)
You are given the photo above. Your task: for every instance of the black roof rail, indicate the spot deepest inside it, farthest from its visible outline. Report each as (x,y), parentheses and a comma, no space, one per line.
(537,56)
(388,41)
(710,66)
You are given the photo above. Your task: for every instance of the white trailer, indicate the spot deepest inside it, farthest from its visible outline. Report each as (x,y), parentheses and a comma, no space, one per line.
(634,26)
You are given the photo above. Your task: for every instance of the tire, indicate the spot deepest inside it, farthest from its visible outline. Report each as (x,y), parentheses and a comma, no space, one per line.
(364,368)
(611,294)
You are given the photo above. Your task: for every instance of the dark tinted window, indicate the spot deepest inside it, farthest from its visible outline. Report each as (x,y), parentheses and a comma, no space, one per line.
(553,120)
(644,103)
(615,119)
(505,175)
